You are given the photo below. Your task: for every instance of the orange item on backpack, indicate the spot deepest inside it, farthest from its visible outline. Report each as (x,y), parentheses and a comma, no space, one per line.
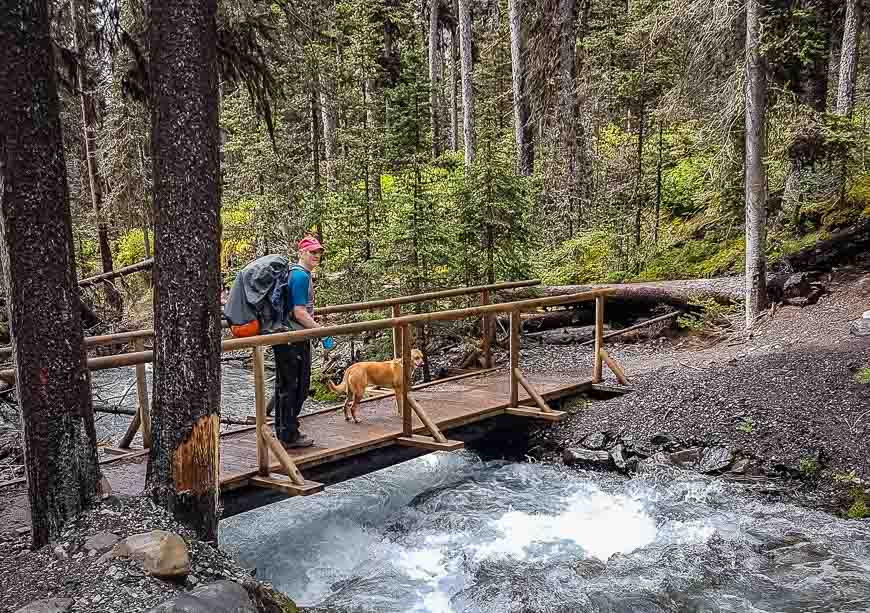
(252,328)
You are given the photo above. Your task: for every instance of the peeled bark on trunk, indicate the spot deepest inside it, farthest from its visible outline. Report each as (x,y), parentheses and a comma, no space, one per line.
(36,242)
(435,76)
(80,10)
(184,461)
(756,181)
(522,111)
(849,58)
(467,82)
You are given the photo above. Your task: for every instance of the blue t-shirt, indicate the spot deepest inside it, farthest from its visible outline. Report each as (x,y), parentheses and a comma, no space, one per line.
(300,290)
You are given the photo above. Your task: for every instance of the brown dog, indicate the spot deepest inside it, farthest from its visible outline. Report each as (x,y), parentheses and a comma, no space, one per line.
(361,374)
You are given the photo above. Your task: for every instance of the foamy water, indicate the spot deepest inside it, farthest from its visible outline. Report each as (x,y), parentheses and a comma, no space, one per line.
(449,534)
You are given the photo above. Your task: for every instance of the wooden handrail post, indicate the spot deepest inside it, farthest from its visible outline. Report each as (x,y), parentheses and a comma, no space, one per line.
(142,389)
(397,333)
(599,338)
(260,400)
(515,357)
(486,325)
(404,405)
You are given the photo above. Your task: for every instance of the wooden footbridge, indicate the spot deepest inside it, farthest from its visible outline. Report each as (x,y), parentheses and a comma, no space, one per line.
(256,469)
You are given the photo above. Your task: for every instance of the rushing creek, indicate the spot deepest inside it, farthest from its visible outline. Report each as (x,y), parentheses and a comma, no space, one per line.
(450,533)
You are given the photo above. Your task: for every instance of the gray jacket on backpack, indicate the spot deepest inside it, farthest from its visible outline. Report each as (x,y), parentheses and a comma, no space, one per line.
(250,296)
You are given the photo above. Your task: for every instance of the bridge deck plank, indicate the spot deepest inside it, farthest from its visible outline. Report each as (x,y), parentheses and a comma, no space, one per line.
(449,405)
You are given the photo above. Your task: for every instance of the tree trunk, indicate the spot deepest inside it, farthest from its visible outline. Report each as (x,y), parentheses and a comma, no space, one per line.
(80,11)
(568,98)
(639,193)
(467,82)
(184,462)
(454,89)
(756,181)
(370,176)
(374,130)
(435,76)
(522,112)
(315,147)
(328,110)
(658,186)
(849,58)
(36,243)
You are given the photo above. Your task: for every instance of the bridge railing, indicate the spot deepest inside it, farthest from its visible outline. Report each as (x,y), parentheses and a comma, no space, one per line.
(268,445)
(392,305)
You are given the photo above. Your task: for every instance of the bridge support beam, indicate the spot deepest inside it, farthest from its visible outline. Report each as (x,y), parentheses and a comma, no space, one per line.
(615,367)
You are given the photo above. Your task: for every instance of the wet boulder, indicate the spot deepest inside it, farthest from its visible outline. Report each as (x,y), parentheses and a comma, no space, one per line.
(49,605)
(617,456)
(596,441)
(661,438)
(217,597)
(586,458)
(860,327)
(714,459)
(687,458)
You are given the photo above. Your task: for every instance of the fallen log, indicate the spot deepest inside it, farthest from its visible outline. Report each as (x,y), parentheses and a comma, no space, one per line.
(842,247)
(681,294)
(635,327)
(120,272)
(725,290)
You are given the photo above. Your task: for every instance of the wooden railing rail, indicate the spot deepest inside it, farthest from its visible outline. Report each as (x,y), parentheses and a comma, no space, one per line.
(266,442)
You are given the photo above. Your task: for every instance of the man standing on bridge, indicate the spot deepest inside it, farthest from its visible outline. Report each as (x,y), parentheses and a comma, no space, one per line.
(293,360)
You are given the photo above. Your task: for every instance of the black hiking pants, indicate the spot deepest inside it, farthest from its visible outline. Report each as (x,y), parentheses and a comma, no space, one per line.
(292,378)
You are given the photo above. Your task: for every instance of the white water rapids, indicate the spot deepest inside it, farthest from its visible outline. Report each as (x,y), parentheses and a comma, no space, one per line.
(448,533)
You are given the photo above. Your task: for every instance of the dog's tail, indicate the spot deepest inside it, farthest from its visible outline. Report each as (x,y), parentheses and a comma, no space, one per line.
(341,388)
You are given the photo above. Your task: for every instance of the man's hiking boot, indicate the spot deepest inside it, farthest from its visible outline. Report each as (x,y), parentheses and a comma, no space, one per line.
(300,441)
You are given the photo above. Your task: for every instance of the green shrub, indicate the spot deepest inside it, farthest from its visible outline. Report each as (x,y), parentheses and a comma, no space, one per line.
(708,314)
(859,508)
(863,376)
(130,248)
(582,259)
(809,468)
(747,425)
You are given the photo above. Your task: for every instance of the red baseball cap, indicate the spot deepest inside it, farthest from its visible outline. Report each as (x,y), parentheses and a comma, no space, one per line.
(309,243)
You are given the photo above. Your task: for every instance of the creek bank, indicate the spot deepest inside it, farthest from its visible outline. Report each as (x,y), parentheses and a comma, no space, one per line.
(793,424)
(110,560)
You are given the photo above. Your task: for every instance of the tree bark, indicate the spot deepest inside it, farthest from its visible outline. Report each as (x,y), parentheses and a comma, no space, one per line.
(467,82)
(80,11)
(315,146)
(435,76)
(639,191)
(756,180)
(36,242)
(658,186)
(329,112)
(849,58)
(184,462)
(519,73)
(568,98)
(454,88)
